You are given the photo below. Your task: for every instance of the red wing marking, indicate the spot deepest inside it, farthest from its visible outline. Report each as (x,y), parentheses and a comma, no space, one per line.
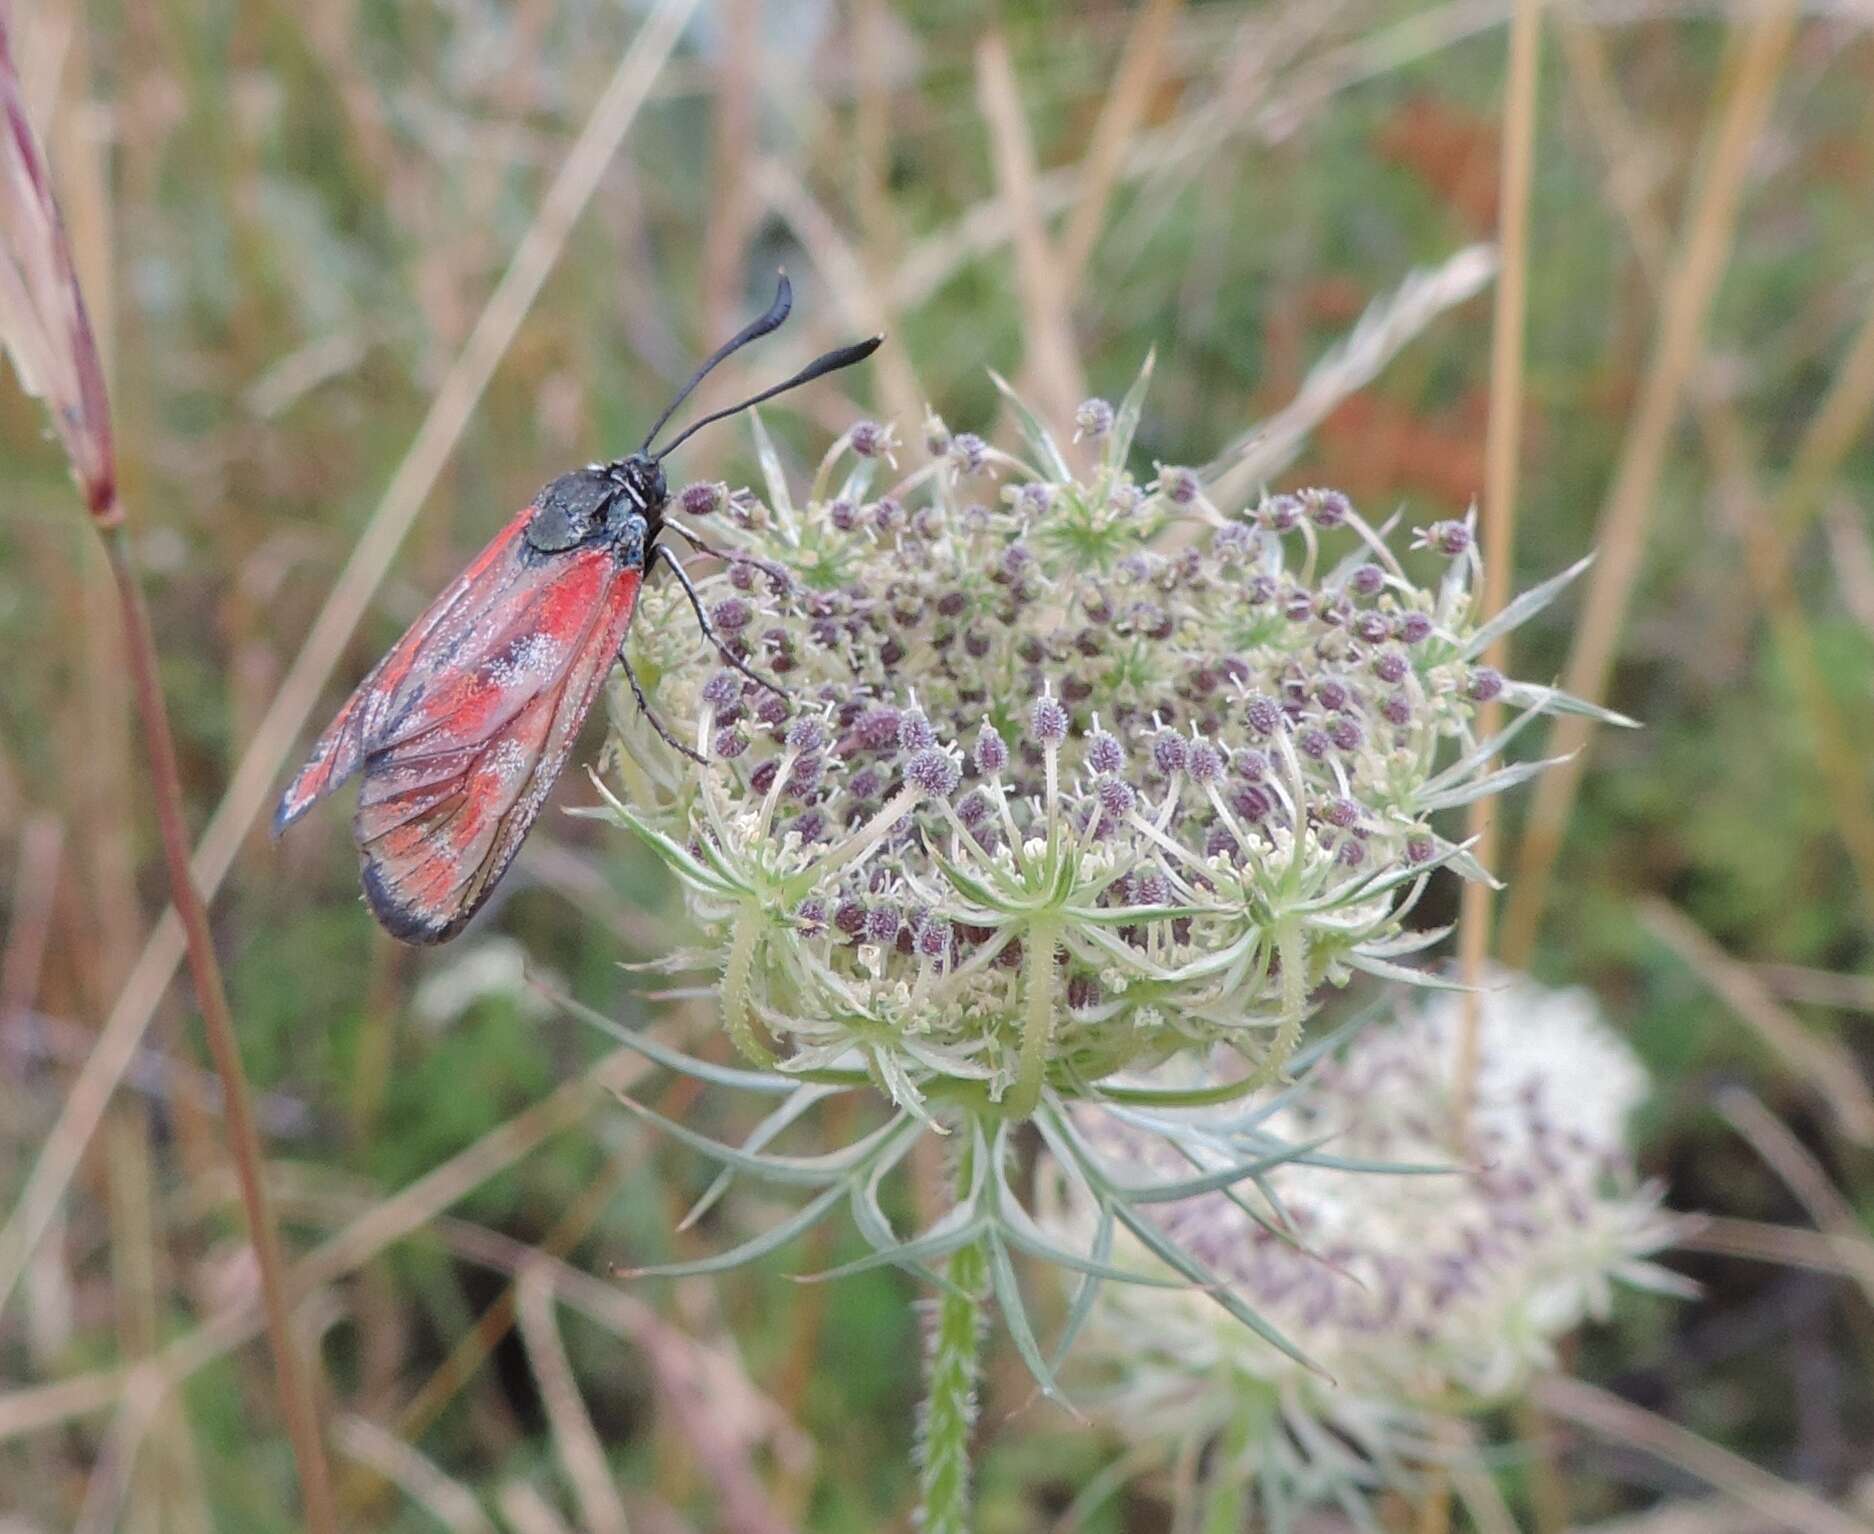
(463,728)
(340,750)
(444,810)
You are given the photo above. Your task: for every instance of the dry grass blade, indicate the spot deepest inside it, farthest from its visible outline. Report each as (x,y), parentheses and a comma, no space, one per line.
(1502,441)
(449,1502)
(1624,1425)
(1821,1065)
(254,779)
(1620,535)
(37,1408)
(1388,324)
(1140,70)
(846,277)
(44,324)
(1792,1161)
(1053,361)
(35,882)
(1852,551)
(581,1454)
(528,1512)
(1819,987)
(1787,1245)
(1767,528)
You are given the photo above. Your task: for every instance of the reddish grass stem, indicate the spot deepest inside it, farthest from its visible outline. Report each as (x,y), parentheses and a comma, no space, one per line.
(293,1381)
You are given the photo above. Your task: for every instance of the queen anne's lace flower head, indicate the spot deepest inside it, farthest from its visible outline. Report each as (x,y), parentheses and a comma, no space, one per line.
(1410,1294)
(1071,775)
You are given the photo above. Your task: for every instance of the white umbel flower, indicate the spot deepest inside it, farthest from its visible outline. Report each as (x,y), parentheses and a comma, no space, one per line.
(1411,1293)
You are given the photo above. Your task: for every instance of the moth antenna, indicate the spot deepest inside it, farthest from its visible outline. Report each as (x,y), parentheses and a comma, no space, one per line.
(830,362)
(753,331)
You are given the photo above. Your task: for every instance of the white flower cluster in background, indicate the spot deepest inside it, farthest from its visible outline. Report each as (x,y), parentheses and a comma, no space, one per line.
(1411,1293)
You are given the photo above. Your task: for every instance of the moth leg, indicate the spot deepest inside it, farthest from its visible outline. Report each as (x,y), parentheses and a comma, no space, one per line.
(727,556)
(650,714)
(661,552)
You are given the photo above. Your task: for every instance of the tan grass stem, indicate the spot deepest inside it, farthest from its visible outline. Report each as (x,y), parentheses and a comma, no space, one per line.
(1053,361)
(1614,1421)
(1502,440)
(293,1381)
(1627,515)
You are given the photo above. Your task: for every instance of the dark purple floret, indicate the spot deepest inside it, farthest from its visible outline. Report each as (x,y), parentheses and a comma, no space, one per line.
(849,917)
(932,772)
(729,744)
(1367,581)
(1252,801)
(1179,486)
(1170,752)
(992,752)
(1342,812)
(1205,763)
(881,925)
(702,500)
(1262,714)
(1371,627)
(1390,667)
(723,690)
(1486,683)
(806,734)
(879,728)
(1047,721)
(869,439)
(1104,752)
(1313,743)
(1093,419)
(1280,513)
(1346,735)
(968,452)
(1415,628)
(1116,797)
(914,731)
(1326,508)
(1450,538)
(731,614)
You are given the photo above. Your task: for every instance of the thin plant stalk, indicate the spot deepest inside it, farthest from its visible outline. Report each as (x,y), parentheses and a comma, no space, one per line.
(45,326)
(1501,441)
(1626,518)
(293,1380)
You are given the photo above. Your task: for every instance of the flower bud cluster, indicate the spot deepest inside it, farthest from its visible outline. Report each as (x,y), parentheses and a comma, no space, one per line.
(1071,774)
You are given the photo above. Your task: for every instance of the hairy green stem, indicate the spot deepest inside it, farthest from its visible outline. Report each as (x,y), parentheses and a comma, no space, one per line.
(1038,991)
(951,1379)
(738,1010)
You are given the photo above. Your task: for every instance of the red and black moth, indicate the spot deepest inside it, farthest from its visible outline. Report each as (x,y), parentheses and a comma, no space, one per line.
(462,729)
